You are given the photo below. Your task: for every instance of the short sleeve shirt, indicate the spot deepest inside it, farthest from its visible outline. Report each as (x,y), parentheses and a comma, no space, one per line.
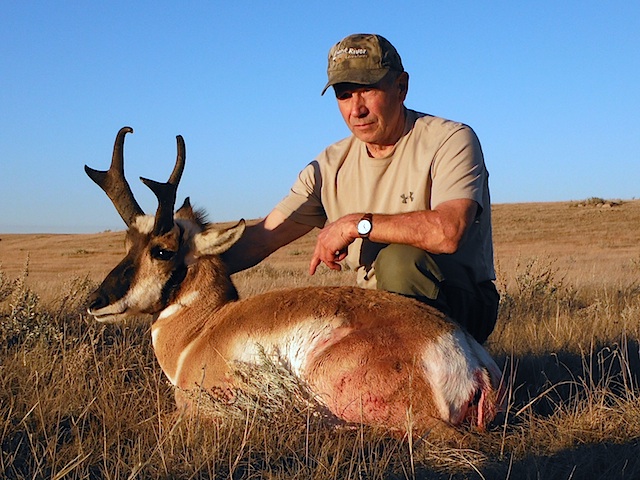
(435,160)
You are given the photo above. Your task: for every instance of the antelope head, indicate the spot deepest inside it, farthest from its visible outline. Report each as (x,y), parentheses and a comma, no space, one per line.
(159,249)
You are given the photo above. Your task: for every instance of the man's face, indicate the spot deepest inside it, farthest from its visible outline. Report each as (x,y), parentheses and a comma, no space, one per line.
(374,113)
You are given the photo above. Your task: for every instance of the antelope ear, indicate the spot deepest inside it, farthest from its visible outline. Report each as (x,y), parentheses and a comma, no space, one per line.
(215,242)
(185,211)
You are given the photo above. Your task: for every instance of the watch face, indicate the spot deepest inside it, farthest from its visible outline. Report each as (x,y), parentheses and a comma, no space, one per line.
(364,226)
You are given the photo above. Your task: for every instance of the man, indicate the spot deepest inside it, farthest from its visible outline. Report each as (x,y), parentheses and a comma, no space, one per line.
(404,200)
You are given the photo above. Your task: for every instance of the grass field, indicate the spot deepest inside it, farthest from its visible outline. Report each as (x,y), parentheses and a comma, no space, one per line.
(82,400)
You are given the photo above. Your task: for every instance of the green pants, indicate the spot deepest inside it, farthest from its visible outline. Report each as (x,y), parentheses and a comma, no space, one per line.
(441,282)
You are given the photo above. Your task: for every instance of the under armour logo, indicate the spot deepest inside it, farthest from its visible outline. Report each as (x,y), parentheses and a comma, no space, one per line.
(405,198)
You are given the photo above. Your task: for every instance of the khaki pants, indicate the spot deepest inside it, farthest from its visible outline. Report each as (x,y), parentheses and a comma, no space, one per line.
(440,282)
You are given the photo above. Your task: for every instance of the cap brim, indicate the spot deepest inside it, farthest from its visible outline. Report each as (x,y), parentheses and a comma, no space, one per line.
(359,77)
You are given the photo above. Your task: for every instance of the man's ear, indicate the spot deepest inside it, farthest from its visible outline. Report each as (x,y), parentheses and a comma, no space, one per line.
(403,84)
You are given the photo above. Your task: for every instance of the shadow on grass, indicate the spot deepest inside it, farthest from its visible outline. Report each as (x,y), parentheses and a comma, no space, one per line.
(543,382)
(586,462)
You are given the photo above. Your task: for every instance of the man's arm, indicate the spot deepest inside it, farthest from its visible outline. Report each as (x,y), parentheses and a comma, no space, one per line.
(440,230)
(262,239)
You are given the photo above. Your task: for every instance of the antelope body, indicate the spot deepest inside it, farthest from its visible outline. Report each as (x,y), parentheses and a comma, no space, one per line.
(371,357)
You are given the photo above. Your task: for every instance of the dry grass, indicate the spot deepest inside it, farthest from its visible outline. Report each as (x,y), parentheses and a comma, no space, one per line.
(81,400)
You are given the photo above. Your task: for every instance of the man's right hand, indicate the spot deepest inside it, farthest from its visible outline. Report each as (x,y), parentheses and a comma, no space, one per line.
(332,243)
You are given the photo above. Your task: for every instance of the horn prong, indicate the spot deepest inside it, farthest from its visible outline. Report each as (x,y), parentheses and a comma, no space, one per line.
(166,192)
(114,183)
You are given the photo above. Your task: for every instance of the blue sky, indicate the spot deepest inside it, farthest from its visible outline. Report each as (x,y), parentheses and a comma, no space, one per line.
(551,88)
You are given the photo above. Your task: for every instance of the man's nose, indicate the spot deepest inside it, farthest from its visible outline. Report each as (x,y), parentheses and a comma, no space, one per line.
(358,106)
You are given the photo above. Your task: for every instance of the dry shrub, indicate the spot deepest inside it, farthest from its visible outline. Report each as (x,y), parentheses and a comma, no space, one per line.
(541,312)
(267,392)
(538,292)
(6,285)
(26,322)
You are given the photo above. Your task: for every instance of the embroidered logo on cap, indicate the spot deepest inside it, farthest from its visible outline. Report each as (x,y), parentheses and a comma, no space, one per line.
(350,52)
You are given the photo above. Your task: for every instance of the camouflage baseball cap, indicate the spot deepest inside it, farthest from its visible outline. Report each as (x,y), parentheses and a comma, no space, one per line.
(363,59)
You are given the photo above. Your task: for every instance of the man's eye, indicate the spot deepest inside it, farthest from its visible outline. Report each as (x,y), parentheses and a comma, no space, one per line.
(344,96)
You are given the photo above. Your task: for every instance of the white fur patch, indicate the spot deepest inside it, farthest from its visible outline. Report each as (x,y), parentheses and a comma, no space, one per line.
(293,345)
(307,336)
(144,223)
(181,359)
(143,293)
(170,310)
(155,331)
(189,298)
(173,309)
(449,366)
(485,359)
(106,313)
(183,301)
(155,334)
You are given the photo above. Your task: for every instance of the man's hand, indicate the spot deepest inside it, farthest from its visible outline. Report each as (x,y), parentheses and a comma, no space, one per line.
(332,243)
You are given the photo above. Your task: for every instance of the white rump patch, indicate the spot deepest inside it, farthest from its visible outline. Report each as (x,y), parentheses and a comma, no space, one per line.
(449,365)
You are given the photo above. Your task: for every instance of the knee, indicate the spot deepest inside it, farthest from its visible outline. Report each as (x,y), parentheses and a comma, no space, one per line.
(393,264)
(407,270)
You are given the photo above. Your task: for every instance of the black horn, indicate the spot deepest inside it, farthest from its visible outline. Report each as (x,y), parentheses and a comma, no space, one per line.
(114,184)
(166,192)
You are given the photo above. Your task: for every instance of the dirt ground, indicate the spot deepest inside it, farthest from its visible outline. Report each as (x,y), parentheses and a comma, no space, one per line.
(587,243)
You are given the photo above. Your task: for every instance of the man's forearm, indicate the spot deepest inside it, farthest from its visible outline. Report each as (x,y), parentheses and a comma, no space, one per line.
(261,240)
(433,231)
(246,252)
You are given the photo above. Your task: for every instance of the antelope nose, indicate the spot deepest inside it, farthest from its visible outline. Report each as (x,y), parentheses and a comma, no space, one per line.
(96,301)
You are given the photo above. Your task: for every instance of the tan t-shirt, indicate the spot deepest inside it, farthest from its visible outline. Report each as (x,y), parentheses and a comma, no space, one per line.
(436,160)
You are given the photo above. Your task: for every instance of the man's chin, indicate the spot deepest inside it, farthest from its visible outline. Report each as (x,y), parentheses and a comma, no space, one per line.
(366,133)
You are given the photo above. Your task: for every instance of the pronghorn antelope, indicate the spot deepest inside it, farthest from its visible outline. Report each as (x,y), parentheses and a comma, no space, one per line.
(369,356)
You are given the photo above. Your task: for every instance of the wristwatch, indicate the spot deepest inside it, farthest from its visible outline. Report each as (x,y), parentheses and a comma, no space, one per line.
(365,225)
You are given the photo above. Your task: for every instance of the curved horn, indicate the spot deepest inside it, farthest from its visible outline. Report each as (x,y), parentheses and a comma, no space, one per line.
(114,184)
(166,192)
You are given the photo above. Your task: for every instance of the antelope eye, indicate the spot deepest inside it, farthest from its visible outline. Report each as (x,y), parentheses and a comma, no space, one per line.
(160,253)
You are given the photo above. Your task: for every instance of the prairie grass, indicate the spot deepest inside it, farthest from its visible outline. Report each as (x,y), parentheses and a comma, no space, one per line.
(84,400)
